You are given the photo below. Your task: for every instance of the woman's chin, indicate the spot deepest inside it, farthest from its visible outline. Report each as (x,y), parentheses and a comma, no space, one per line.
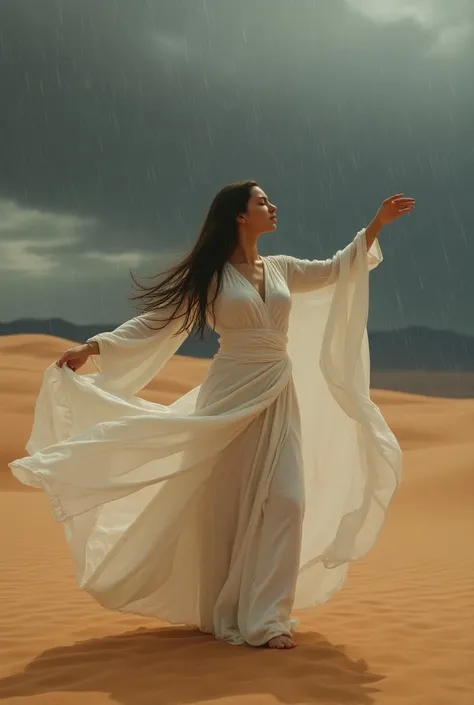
(270,228)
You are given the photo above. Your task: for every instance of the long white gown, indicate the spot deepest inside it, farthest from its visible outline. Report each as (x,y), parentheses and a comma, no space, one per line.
(249,495)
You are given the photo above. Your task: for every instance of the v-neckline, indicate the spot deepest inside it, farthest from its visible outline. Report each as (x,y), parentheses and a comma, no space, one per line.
(264,301)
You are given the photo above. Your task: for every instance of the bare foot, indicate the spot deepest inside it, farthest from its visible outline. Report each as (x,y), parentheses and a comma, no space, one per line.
(281,642)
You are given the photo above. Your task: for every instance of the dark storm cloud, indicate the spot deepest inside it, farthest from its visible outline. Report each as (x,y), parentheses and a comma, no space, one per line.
(130,115)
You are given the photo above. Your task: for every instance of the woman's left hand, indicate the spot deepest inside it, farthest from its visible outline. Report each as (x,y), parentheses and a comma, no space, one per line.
(393,207)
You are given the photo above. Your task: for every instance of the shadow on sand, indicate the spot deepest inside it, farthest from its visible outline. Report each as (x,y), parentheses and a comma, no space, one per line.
(179,665)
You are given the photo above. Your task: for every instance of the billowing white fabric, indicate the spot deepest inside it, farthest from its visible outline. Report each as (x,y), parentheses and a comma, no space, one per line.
(249,495)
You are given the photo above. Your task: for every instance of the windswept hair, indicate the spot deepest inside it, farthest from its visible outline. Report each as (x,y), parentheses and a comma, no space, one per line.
(186,287)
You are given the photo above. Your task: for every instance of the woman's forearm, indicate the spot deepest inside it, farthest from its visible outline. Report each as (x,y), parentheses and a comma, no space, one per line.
(372,232)
(94,346)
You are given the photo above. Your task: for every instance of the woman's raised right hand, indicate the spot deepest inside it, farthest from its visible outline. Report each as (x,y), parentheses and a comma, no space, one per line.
(76,357)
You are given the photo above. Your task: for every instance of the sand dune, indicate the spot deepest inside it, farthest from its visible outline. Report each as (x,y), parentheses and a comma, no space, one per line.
(399,632)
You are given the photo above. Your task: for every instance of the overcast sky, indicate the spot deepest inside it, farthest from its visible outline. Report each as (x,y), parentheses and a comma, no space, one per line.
(120,120)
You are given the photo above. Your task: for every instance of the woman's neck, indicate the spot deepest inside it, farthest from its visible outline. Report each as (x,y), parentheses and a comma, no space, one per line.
(245,254)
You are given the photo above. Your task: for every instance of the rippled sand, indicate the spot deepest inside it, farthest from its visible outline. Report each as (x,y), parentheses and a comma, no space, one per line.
(401,630)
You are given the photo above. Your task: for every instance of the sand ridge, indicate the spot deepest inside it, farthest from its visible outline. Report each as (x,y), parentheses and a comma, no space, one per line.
(401,630)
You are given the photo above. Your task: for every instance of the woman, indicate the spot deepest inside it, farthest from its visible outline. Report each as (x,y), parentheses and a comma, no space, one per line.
(249,495)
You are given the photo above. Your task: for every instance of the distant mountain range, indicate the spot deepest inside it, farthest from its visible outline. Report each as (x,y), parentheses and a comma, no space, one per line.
(413,348)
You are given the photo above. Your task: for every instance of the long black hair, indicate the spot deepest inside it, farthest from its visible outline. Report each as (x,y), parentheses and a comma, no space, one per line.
(186,286)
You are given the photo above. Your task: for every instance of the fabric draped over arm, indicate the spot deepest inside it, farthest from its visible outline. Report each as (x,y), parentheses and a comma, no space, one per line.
(132,354)
(306,275)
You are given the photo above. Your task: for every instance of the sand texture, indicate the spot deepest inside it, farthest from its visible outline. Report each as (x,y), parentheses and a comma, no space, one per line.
(400,632)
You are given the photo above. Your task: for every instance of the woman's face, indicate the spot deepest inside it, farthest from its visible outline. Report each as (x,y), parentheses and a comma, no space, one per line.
(261,214)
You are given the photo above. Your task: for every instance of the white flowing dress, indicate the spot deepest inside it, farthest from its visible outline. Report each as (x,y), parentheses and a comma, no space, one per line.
(248,496)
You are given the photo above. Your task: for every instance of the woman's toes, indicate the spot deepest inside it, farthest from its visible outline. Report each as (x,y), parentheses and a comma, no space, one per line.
(281,642)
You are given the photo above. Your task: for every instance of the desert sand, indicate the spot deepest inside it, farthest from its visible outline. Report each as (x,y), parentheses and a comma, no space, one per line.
(400,631)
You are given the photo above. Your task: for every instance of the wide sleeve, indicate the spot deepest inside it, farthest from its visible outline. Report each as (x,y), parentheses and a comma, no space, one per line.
(304,275)
(352,461)
(132,354)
